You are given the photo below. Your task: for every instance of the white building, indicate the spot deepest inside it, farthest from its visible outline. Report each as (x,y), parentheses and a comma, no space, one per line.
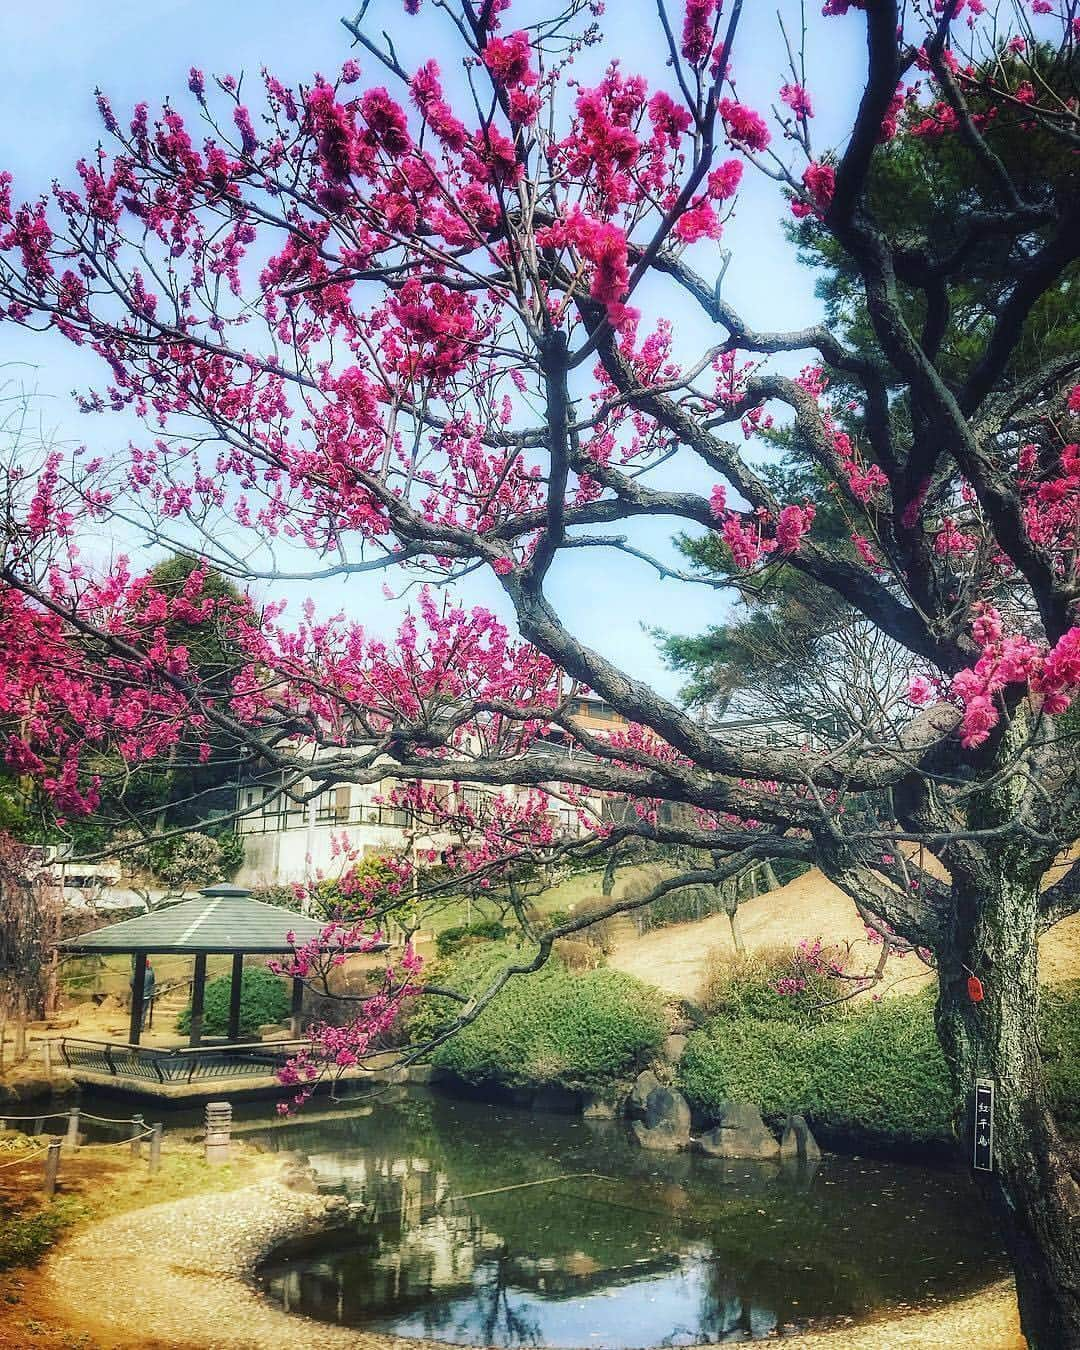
(287,842)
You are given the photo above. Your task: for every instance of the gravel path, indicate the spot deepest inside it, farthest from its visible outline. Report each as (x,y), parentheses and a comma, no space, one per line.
(176,1276)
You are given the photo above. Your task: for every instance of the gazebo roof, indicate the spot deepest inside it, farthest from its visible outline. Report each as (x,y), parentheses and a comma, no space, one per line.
(222,920)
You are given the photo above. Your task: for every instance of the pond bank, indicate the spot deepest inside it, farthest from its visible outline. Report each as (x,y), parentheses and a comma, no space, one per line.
(179,1275)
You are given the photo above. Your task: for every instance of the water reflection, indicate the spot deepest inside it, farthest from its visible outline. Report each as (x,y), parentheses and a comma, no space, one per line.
(496,1227)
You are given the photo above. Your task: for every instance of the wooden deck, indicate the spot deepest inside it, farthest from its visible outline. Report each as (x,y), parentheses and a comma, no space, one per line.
(198,1073)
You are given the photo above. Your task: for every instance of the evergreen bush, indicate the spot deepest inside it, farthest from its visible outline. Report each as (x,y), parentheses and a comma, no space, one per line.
(264,998)
(875,1072)
(461,935)
(550,1027)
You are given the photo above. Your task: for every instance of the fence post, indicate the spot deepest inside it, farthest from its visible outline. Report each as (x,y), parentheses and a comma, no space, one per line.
(46,1056)
(52,1166)
(155,1148)
(137,1127)
(218,1131)
(71,1139)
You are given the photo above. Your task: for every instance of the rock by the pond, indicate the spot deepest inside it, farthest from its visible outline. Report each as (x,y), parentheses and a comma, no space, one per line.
(797,1143)
(595,1107)
(421,1073)
(298,1177)
(674,1047)
(666,1124)
(644,1083)
(740,1133)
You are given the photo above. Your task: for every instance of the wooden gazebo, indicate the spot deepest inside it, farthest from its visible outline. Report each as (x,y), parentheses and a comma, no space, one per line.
(223,921)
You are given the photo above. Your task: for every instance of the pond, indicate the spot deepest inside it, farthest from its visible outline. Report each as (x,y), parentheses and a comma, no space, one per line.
(490,1226)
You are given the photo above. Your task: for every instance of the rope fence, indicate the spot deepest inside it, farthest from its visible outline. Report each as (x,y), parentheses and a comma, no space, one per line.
(25,1157)
(217,1138)
(48,1115)
(116,1143)
(64,1115)
(72,1141)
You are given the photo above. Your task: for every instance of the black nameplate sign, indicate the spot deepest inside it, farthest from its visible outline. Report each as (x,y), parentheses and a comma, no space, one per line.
(983,1160)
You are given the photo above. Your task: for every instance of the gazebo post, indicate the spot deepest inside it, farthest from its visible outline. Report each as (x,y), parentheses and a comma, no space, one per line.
(297,1007)
(235,990)
(198,998)
(138,983)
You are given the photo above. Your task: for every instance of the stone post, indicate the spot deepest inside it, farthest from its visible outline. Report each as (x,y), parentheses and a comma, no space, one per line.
(52,1166)
(71,1139)
(218,1132)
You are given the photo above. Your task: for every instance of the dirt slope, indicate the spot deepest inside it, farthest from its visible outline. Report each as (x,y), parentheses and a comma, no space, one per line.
(675,958)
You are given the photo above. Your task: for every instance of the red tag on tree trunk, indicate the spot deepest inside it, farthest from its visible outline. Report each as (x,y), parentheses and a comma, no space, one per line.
(975,989)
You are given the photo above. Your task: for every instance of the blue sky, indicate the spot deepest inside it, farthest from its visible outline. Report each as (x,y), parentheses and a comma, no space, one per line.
(52,55)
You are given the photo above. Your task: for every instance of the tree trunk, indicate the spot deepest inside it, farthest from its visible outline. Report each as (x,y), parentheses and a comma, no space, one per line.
(993,935)
(607,884)
(736,931)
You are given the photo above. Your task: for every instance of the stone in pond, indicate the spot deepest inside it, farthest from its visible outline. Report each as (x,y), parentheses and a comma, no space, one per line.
(666,1124)
(797,1143)
(645,1083)
(595,1107)
(740,1133)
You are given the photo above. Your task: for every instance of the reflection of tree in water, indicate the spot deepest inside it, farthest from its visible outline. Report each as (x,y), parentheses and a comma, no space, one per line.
(727,1315)
(495,1317)
(454,1250)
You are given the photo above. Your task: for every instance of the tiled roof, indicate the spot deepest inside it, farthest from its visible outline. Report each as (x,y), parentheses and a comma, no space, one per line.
(212,923)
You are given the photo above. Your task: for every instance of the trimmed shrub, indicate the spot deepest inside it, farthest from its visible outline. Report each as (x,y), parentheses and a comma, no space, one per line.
(451,940)
(542,921)
(878,1072)
(264,998)
(232,852)
(875,1072)
(550,1027)
(284,897)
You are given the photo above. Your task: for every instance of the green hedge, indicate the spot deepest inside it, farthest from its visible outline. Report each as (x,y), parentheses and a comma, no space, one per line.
(1060,1035)
(463,934)
(877,1073)
(551,1027)
(264,998)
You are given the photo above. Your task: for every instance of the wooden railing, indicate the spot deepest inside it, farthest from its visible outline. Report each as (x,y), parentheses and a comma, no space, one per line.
(177,1064)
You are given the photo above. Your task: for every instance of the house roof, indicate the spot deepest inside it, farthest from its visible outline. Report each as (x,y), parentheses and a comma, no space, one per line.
(223,919)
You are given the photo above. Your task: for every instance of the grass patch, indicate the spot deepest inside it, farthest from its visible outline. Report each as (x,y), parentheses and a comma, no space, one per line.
(25,1238)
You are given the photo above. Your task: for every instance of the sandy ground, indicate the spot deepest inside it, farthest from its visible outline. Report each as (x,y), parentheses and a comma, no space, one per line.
(675,958)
